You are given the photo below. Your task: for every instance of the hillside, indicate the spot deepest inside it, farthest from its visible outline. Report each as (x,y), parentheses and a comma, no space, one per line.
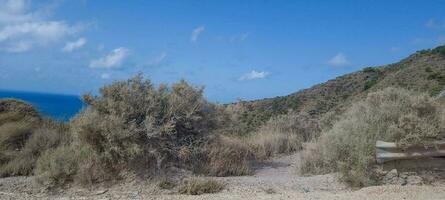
(423,71)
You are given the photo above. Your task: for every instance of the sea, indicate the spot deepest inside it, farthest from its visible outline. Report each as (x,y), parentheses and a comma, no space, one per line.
(56,106)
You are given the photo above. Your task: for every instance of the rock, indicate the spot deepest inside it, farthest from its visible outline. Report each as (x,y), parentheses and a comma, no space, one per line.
(101,192)
(393,178)
(390,175)
(414,180)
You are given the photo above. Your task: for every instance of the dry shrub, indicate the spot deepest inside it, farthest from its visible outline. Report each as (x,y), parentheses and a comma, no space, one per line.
(226,156)
(134,126)
(57,166)
(166,183)
(395,115)
(282,135)
(197,186)
(12,110)
(25,136)
(50,135)
(13,135)
(266,144)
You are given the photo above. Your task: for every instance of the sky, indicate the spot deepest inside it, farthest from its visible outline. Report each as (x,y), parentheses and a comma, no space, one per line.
(236,49)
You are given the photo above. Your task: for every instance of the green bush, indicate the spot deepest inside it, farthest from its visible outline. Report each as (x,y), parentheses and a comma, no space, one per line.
(369,84)
(394,115)
(370,70)
(439,50)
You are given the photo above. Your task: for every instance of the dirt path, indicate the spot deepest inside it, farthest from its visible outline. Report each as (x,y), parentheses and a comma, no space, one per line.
(275,179)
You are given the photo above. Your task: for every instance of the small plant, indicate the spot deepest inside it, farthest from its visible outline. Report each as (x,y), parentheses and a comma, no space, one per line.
(166,183)
(370,70)
(369,84)
(439,50)
(197,186)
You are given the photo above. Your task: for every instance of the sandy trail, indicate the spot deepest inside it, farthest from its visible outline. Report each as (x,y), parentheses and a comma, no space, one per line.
(275,179)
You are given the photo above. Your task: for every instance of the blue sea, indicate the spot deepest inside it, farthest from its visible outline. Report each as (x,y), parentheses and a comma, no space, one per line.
(56,106)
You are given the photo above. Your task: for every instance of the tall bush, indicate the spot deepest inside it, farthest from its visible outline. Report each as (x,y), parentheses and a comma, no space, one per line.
(394,115)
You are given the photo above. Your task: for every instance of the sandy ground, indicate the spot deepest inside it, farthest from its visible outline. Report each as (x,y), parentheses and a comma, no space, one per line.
(276,179)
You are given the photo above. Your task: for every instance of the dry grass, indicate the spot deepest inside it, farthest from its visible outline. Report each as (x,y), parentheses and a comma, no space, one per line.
(197,186)
(392,114)
(57,166)
(282,135)
(22,159)
(227,156)
(166,183)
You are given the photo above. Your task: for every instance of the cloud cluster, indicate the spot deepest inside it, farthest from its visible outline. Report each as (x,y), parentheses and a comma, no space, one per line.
(112,60)
(253,75)
(21,29)
(196,32)
(71,46)
(339,60)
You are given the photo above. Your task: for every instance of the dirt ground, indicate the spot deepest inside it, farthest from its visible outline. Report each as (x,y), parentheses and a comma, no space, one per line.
(275,179)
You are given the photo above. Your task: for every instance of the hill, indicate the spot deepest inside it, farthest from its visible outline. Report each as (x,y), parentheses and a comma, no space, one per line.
(422,71)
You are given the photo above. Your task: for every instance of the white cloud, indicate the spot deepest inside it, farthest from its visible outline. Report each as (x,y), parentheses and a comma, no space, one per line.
(433,24)
(18,47)
(105,76)
(13,11)
(253,75)
(158,59)
(114,59)
(70,46)
(241,37)
(21,29)
(339,60)
(196,32)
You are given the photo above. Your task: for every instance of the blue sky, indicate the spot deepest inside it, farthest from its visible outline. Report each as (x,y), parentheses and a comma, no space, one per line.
(236,49)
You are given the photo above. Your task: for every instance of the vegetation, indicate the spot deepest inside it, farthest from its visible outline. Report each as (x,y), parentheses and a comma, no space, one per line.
(389,115)
(24,136)
(197,186)
(137,128)
(282,135)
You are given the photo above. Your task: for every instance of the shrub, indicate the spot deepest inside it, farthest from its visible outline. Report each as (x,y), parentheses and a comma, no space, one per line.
(369,84)
(370,69)
(57,166)
(439,50)
(223,156)
(39,139)
(13,135)
(166,183)
(18,120)
(133,124)
(197,186)
(90,168)
(267,144)
(390,115)
(12,110)
(283,134)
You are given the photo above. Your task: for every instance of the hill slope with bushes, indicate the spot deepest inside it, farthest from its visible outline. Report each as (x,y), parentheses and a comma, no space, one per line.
(424,71)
